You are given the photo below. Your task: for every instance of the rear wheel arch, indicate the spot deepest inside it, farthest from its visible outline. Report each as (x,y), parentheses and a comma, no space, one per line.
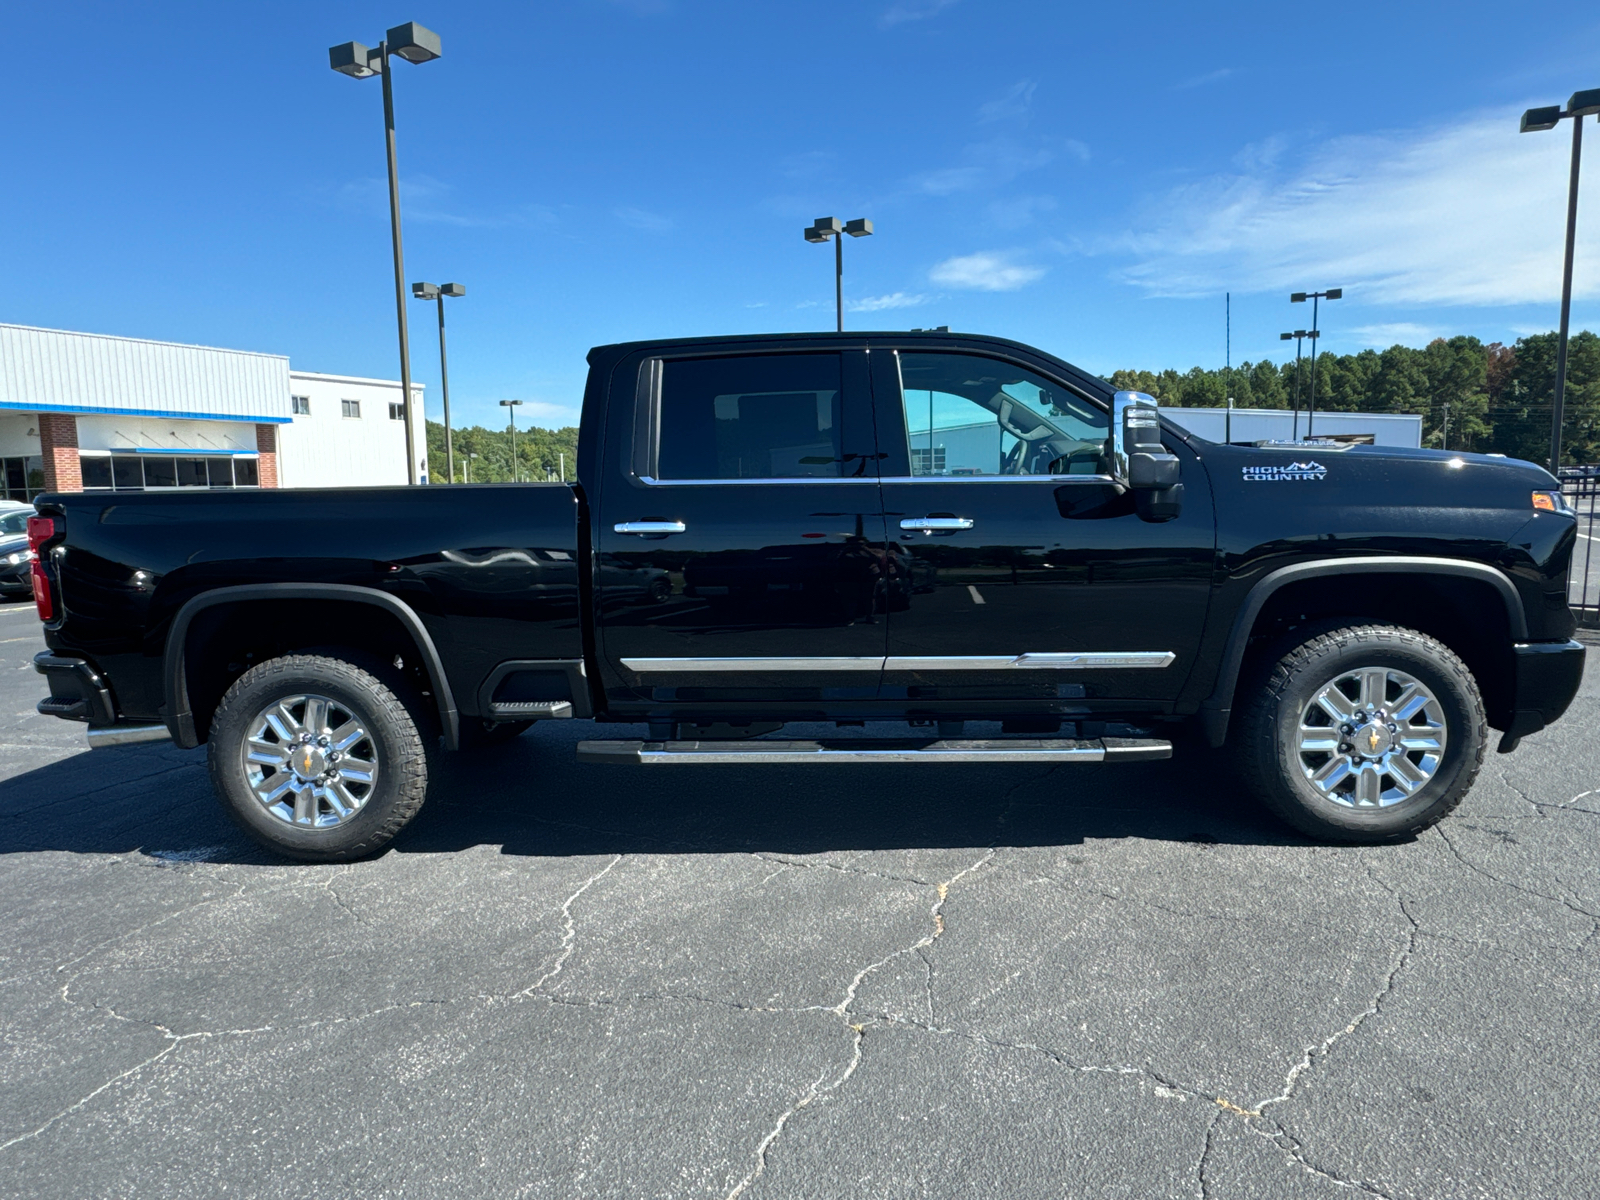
(1471,607)
(367,621)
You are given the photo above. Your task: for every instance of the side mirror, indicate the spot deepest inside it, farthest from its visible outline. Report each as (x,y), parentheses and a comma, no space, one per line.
(1140,461)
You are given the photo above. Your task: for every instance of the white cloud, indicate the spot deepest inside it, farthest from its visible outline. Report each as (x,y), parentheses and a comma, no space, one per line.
(1467,213)
(1014,103)
(912,10)
(638,218)
(1216,76)
(986,271)
(879,303)
(1405,333)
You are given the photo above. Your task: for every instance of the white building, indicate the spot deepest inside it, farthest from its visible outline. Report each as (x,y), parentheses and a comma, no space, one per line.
(87,412)
(1280,425)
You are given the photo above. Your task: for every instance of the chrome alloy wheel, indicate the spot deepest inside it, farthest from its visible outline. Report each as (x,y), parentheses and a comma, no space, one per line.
(310,761)
(1371,737)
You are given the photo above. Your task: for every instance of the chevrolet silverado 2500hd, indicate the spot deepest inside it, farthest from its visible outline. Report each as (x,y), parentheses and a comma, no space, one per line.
(927,527)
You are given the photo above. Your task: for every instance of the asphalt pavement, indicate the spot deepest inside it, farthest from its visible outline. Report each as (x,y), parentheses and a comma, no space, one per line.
(811,982)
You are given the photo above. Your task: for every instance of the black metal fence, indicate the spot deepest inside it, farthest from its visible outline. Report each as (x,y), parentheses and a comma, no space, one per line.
(1581,487)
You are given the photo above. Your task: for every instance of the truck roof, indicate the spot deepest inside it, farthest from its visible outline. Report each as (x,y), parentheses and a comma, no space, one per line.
(933,338)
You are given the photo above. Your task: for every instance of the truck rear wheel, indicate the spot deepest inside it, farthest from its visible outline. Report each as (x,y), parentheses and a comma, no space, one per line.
(317,758)
(1366,734)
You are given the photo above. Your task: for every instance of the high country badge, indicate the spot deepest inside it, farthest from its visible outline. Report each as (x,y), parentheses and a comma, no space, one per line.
(1292,473)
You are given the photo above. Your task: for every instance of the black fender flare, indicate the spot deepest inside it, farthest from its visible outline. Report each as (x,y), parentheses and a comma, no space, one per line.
(1216,709)
(180,719)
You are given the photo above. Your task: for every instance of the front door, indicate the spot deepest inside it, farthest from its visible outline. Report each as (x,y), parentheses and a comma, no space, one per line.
(1031,585)
(742,558)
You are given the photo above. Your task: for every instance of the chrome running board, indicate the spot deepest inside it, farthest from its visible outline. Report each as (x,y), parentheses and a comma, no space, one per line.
(865,750)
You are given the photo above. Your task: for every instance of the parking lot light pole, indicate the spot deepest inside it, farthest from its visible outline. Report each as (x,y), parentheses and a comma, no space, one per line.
(429,291)
(1301,298)
(512,405)
(466,467)
(416,45)
(821,230)
(1299,338)
(1537,120)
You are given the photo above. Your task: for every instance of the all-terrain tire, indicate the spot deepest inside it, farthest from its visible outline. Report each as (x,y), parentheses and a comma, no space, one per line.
(1269,735)
(400,780)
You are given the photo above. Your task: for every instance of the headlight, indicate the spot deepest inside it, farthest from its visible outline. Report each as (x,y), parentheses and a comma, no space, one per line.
(21,556)
(1551,502)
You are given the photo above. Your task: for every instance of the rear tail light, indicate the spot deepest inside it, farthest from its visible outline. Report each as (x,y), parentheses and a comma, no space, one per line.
(40,531)
(41,591)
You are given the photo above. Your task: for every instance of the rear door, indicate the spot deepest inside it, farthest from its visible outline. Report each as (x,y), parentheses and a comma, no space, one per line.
(740,546)
(1031,585)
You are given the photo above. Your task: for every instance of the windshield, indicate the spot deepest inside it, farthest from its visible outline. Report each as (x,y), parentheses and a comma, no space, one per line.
(15,523)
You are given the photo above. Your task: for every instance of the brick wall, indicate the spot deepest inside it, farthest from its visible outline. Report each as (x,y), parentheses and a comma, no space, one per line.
(267,447)
(58,443)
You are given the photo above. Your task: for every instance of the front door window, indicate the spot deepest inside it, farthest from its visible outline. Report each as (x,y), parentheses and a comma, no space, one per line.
(967,415)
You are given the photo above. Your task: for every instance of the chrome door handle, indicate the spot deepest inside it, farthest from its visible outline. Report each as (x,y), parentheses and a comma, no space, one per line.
(929,524)
(650,527)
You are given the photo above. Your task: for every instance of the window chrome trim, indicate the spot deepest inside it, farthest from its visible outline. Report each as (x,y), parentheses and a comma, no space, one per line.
(1124,660)
(643,666)
(997,479)
(649,481)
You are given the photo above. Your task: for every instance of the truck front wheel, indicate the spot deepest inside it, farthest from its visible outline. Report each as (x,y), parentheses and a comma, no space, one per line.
(1366,734)
(317,758)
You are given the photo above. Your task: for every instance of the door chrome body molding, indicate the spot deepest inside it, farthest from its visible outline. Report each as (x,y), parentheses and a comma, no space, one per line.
(1123,660)
(1034,660)
(647,666)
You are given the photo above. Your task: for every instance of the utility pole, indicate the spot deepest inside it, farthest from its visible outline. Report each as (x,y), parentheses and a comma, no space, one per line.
(1314,297)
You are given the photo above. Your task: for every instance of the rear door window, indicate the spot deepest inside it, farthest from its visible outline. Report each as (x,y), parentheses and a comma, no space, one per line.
(771,416)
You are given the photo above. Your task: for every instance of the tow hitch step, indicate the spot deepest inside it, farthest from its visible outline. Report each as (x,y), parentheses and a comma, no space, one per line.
(888,750)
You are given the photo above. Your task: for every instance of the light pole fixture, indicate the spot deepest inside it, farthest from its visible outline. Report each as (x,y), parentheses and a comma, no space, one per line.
(824,228)
(513,406)
(429,291)
(1537,120)
(1301,298)
(466,466)
(1299,336)
(416,45)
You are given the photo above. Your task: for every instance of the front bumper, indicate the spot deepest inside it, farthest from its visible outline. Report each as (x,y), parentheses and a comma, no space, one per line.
(1546,678)
(77,692)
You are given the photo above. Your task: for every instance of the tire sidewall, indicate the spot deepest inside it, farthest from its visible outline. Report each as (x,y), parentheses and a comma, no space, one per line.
(393,733)
(1397,650)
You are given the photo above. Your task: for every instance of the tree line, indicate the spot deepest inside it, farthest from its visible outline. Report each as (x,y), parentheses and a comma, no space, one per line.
(539,453)
(1489,398)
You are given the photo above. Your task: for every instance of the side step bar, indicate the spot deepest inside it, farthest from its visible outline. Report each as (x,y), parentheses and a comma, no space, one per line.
(865,750)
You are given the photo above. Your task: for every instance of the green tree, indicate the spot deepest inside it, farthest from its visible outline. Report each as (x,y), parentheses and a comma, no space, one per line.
(539,453)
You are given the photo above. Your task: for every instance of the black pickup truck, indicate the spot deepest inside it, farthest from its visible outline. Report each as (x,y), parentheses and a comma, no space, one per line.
(954,531)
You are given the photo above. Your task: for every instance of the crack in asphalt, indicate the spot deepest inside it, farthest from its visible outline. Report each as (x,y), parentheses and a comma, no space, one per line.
(842,868)
(569,935)
(1449,842)
(857,1031)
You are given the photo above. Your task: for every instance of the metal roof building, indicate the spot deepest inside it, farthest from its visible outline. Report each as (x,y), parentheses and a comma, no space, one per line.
(84,411)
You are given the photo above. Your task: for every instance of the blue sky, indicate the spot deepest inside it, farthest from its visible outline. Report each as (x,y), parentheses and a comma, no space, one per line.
(1090,179)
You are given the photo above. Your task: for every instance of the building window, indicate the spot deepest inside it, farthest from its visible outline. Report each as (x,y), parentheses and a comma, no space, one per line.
(925,461)
(397,412)
(21,478)
(301,405)
(139,472)
(350,408)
